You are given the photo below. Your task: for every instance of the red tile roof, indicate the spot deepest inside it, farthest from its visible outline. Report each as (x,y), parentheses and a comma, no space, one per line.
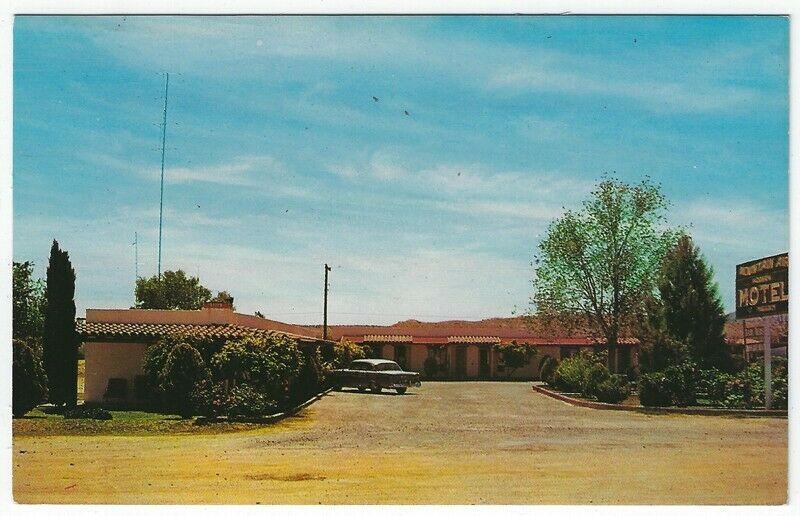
(99,330)
(488,331)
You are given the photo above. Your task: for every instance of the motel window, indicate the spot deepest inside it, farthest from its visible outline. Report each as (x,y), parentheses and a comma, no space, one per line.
(116,388)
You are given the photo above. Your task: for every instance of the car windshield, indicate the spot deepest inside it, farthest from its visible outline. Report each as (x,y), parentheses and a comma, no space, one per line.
(388,366)
(361,366)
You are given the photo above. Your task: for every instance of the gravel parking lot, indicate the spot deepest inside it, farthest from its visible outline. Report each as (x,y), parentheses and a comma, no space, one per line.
(475,442)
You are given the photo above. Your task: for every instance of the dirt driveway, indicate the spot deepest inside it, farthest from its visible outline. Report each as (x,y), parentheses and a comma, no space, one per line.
(444,443)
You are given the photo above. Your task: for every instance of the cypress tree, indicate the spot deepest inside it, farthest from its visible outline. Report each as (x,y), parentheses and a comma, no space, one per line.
(60,344)
(691,307)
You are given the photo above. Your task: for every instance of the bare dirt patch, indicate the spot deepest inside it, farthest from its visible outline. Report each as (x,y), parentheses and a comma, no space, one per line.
(450,443)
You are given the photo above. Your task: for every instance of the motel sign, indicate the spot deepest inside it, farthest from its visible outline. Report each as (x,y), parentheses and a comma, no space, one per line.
(762,290)
(762,287)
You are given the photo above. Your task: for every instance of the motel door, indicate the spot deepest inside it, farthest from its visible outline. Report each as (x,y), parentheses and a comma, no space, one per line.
(483,362)
(461,362)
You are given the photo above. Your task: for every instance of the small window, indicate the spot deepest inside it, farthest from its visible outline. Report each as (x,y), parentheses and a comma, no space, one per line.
(117,388)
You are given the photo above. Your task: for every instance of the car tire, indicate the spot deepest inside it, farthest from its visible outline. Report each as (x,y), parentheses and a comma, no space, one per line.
(401,390)
(361,388)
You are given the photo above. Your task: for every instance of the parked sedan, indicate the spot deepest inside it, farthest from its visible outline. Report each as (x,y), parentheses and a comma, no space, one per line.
(376,375)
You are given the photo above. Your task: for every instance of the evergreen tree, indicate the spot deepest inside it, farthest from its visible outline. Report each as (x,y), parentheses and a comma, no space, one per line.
(60,344)
(691,308)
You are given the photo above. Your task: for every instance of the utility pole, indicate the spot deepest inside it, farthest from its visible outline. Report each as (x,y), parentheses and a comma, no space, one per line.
(325,309)
(163,148)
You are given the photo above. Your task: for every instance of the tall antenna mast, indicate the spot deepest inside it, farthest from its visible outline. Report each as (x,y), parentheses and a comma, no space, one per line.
(163,148)
(136,253)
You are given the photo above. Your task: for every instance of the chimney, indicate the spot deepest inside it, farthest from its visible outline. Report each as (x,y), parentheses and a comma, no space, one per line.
(224,303)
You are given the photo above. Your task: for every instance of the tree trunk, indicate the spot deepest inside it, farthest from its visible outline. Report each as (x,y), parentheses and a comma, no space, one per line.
(612,358)
(611,341)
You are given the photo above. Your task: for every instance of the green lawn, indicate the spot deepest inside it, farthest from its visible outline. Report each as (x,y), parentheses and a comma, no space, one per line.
(37,423)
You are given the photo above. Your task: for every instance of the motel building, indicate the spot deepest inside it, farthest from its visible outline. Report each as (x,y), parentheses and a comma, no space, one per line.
(465,350)
(115,340)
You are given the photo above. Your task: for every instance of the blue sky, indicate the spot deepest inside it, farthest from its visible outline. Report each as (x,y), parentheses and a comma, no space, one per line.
(278,158)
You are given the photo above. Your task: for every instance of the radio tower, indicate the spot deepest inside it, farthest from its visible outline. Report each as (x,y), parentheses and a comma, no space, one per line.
(163,148)
(135,245)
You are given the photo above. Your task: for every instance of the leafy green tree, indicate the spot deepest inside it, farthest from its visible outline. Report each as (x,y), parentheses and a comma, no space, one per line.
(596,266)
(515,355)
(60,342)
(183,370)
(692,310)
(28,303)
(174,290)
(29,382)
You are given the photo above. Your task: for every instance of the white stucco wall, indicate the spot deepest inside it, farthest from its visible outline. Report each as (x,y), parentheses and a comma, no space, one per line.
(106,360)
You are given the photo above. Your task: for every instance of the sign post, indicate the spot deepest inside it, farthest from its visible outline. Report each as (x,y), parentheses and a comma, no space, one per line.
(768,362)
(762,290)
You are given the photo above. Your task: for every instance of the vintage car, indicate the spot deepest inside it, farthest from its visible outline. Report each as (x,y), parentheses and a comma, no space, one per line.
(376,375)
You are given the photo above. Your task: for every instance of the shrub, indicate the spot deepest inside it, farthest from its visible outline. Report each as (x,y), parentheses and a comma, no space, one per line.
(183,370)
(345,352)
(244,401)
(614,389)
(570,375)
(738,392)
(29,382)
(546,368)
(780,393)
(84,412)
(154,359)
(654,390)
(682,379)
(711,384)
(308,381)
(595,375)
(269,365)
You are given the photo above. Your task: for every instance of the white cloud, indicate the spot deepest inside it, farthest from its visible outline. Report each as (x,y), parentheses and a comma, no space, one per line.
(659,95)
(241,171)
(265,173)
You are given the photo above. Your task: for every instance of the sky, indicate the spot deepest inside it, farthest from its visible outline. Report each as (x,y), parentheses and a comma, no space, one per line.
(421,157)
